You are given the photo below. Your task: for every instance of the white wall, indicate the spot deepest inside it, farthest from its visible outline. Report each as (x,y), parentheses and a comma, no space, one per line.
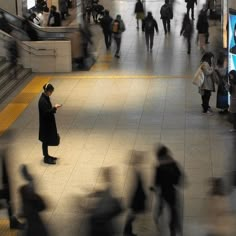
(59,59)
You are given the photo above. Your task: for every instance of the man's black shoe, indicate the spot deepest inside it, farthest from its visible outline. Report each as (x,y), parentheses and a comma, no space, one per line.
(15,224)
(49,160)
(54,158)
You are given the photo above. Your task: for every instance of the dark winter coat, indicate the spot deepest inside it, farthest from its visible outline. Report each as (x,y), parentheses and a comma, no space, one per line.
(57,19)
(153,22)
(190,3)
(202,24)
(32,204)
(166,12)
(167,177)
(187,28)
(5,191)
(138,7)
(138,197)
(47,122)
(106,23)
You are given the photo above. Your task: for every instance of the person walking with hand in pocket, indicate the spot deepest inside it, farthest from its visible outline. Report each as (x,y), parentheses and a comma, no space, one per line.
(47,124)
(150,25)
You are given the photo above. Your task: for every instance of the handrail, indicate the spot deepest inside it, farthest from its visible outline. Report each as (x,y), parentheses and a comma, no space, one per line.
(5,37)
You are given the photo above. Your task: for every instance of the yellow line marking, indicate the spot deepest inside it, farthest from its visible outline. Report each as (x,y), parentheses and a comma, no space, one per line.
(5,230)
(121,77)
(13,110)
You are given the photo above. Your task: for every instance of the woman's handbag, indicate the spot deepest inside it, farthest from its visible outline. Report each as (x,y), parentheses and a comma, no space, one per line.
(199,77)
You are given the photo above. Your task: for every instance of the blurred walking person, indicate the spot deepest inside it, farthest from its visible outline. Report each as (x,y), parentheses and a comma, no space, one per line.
(47,124)
(5,191)
(168,178)
(150,25)
(106,27)
(190,6)
(166,13)
(139,12)
(187,31)
(106,207)
(118,27)
(221,71)
(54,18)
(137,198)
(32,204)
(203,29)
(232,90)
(220,220)
(13,55)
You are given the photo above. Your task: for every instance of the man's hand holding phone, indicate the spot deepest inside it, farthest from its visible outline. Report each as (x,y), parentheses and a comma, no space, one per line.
(58,106)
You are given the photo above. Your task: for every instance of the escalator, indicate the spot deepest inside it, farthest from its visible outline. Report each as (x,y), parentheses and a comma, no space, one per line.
(44,33)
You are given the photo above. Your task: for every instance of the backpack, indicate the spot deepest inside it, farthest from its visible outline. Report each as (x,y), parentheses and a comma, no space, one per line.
(116,26)
(149,25)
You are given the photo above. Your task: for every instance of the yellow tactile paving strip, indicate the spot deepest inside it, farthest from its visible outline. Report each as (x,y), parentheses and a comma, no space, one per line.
(4,229)
(13,110)
(123,77)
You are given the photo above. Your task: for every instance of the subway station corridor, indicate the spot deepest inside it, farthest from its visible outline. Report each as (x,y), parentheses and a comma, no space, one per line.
(134,102)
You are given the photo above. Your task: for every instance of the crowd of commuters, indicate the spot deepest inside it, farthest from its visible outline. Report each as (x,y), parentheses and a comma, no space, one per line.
(169,177)
(149,25)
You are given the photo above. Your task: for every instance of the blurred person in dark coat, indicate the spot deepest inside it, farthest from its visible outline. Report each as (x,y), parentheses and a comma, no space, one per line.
(137,198)
(47,124)
(13,54)
(139,11)
(32,204)
(105,207)
(54,18)
(5,191)
(190,6)
(168,176)
(221,72)
(203,30)
(220,220)
(232,91)
(149,26)
(63,8)
(31,32)
(106,27)
(187,31)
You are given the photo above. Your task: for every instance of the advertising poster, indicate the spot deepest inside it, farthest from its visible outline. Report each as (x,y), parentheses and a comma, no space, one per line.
(224,22)
(232,40)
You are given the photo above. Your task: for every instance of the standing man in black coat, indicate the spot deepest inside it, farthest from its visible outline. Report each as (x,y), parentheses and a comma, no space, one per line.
(106,26)
(190,5)
(47,124)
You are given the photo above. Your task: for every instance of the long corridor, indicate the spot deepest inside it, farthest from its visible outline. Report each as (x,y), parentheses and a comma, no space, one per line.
(131,103)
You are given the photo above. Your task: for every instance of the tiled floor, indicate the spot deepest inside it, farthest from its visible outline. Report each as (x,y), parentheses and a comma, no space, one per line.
(132,103)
